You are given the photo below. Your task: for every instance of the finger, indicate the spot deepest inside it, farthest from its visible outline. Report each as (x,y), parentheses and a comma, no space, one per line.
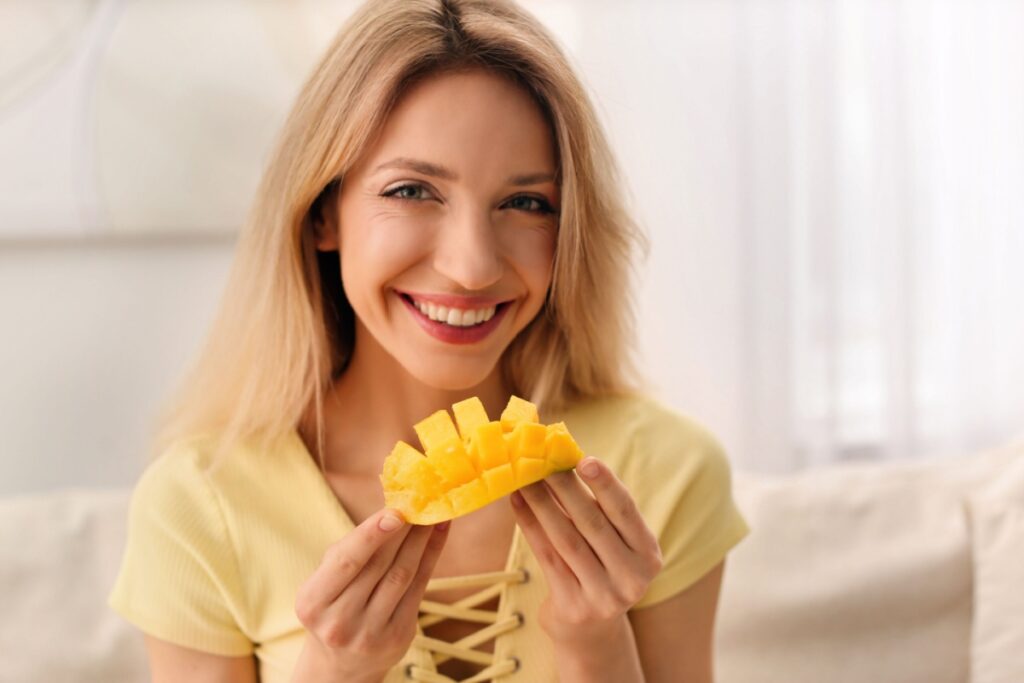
(618,504)
(591,521)
(345,560)
(357,593)
(408,605)
(557,558)
(398,577)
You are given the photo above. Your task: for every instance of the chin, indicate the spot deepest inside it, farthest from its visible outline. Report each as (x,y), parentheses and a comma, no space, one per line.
(450,375)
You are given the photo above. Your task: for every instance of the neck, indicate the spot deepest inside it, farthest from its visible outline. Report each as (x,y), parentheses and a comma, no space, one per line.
(376,402)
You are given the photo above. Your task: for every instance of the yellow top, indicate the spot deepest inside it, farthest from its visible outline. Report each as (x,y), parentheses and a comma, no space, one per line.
(214,557)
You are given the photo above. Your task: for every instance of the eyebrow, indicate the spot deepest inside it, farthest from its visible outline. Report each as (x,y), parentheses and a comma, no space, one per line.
(445,173)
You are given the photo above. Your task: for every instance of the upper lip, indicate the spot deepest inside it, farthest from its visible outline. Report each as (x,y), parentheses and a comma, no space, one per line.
(456,300)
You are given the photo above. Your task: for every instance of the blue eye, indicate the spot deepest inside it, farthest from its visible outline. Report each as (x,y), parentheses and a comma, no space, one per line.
(525,202)
(407,191)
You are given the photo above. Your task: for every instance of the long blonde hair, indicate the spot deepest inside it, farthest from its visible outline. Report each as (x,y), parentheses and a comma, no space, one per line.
(285,329)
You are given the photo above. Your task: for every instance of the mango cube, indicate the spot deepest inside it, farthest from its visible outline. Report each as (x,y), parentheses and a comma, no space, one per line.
(451,463)
(529,470)
(500,481)
(470,496)
(490,445)
(517,411)
(560,449)
(527,440)
(436,430)
(469,415)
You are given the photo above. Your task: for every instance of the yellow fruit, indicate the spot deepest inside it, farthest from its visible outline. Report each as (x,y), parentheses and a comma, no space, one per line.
(469,415)
(560,448)
(451,463)
(436,430)
(490,446)
(518,411)
(527,440)
(464,469)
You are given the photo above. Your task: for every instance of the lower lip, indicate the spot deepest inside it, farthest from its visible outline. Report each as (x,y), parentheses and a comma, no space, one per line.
(452,334)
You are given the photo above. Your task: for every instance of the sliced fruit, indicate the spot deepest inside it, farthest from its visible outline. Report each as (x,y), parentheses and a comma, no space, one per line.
(451,463)
(490,446)
(516,412)
(464,469)
(560,448)
(527,440)
(436,429)
(469,415)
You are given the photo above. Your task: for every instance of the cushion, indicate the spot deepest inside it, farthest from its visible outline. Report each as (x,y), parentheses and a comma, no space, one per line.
(997,525)
(60,554)
(853,573)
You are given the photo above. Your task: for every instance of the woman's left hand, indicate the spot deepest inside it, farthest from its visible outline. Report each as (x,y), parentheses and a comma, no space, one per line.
(596,551)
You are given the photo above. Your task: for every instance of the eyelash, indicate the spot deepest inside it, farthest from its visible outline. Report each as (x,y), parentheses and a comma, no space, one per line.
(543,205)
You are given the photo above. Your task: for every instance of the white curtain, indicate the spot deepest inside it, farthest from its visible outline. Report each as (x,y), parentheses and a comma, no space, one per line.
(882,218)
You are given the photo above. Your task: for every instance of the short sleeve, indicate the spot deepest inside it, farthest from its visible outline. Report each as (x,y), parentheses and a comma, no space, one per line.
(685,494)
(179,576)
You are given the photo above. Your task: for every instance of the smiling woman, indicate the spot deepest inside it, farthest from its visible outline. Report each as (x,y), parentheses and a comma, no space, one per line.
(441,220)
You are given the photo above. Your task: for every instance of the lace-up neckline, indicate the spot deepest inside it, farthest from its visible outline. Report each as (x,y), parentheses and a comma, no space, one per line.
(492,625)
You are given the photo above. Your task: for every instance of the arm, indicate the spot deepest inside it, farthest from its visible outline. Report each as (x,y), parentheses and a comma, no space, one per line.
(169,663)
(676,637)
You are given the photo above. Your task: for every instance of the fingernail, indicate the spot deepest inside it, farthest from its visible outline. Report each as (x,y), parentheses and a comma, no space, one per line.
(389,522)
(589,469)
(517,499)
(443,525)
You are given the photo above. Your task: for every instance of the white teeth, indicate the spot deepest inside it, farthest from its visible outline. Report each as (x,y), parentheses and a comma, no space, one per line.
(455,317)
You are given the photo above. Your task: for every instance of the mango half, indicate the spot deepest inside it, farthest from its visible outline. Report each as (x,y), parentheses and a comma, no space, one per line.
(473,461)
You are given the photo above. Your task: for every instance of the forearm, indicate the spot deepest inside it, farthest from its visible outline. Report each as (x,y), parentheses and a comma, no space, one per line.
(612,657)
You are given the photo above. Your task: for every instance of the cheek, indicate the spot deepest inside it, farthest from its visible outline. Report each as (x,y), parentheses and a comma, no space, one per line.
(376,249)
(532,253)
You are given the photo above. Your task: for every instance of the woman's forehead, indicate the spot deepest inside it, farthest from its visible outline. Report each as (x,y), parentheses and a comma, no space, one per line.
(468,122)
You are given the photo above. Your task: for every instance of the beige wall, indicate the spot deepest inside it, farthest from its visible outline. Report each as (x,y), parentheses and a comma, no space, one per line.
(93,336)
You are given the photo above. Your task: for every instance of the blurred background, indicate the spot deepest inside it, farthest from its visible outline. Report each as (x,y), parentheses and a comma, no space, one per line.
(832,191)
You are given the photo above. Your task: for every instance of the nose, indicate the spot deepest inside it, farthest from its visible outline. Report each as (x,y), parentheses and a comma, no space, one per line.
(468,252)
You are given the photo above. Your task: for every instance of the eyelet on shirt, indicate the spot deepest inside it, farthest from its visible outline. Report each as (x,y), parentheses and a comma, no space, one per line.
(408,671)
(516,661)
(519,615)
(526,575)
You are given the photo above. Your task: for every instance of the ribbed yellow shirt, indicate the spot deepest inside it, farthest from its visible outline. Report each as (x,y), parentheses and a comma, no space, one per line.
(214,558)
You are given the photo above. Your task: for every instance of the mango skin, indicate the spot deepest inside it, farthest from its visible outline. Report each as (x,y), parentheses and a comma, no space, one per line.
(474,464)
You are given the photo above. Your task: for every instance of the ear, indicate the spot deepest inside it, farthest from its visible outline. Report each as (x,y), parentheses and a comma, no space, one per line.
(323,217)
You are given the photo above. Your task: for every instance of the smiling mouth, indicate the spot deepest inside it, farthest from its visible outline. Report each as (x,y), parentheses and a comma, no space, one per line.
(455,317)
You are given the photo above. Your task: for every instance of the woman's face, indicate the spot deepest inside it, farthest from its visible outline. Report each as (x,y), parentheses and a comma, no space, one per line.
(448,225)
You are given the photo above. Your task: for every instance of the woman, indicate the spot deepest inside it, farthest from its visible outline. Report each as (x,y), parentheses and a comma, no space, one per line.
(440,220)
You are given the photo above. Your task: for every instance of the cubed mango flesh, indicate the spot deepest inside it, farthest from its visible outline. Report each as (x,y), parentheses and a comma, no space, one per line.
(466,469)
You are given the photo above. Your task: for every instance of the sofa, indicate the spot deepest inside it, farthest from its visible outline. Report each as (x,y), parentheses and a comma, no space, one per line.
(896,572)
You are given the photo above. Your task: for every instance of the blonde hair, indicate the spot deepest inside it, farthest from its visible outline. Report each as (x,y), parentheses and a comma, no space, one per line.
(285,329)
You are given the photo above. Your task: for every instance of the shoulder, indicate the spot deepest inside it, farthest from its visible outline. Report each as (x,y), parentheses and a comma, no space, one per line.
(637,426)
(193,478)
(175,488)
(179,470)
(660,454)
(205,463)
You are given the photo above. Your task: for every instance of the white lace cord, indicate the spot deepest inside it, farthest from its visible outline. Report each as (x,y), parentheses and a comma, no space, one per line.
(464,609)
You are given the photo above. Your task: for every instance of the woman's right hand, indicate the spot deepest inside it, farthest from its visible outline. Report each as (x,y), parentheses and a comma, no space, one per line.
(361,604)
